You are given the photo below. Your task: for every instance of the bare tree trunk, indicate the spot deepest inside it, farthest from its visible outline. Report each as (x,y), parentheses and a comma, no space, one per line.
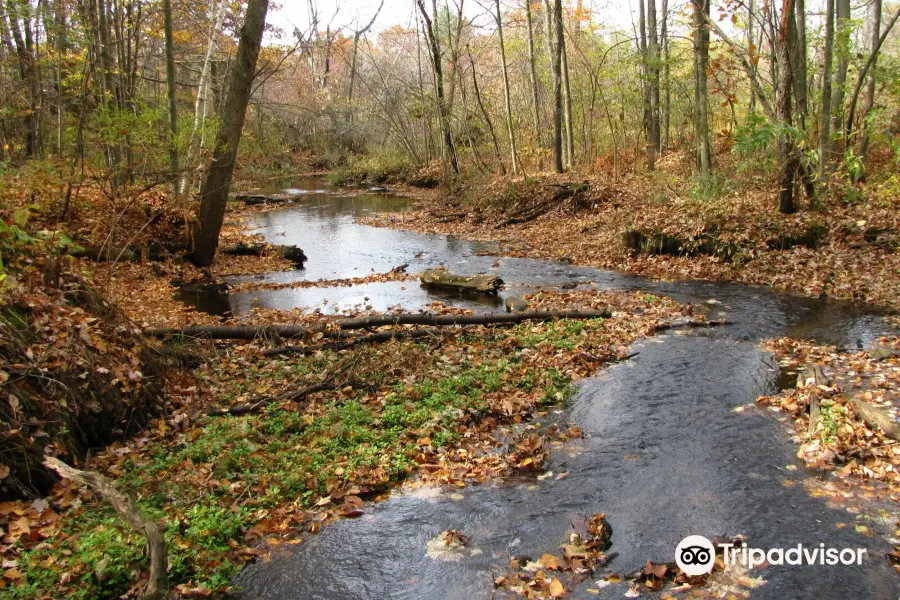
(701,93)
(667,95)
(356,35)
(426,119)
(27,71)
(787,152)
(487,118)
(869,64)
(538,141)
(200,104)
(844,27)
(170,92)
(443,111)
(753,50)
(556,64)
(509,121)
(645,84)
(567,97)
(825,132)
(799,86)
(214,194)
(653,48)
(870,89)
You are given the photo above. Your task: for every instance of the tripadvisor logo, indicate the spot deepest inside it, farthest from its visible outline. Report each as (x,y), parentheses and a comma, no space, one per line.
(696,555)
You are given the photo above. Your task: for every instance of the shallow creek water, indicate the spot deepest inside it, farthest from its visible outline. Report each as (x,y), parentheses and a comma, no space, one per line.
(665,454)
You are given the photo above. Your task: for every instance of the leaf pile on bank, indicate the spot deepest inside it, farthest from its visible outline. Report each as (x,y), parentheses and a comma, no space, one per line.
(230,488)
(841,438)
(74,373)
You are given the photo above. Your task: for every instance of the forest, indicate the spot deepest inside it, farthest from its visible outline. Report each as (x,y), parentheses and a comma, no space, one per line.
(443,298)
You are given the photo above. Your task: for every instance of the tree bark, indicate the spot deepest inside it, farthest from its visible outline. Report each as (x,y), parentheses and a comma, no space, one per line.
(653,48)
(787,152)
(701,93)
(667,95)
(214,195)
(556,65)
(827,59)
(870,88)
(567,99)
(201,103)
(844,28)
(170,92)
(27,72)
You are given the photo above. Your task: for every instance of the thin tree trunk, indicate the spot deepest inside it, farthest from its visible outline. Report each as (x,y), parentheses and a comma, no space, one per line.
(535,101)
(200,104)
(426,119)
(214,194)
(556,64)
(645,83)
(567,97)
(870,89)
(798,56)
(487,118)
(701,94)
(356,35)
(27,72)
(844,27)
(752,49)
(443,111)
(170,92)
(869,64)
(667,91)
(787,152)
(653,48)
(509,121)
(827,59)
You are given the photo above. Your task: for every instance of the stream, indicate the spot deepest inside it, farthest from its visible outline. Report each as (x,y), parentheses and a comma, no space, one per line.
(665,454)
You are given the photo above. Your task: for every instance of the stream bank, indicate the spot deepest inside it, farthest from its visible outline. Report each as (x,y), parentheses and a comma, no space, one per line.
(667,454)
(664,453)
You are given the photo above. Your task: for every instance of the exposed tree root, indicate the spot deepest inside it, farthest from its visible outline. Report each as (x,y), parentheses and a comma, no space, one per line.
(125,507)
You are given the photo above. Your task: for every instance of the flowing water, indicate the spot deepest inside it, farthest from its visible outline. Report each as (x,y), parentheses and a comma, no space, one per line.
(665,454)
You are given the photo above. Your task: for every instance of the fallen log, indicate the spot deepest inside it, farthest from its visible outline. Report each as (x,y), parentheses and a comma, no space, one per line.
(126,507)
(813,375)
(291,253)
(443,279)
(250,332)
